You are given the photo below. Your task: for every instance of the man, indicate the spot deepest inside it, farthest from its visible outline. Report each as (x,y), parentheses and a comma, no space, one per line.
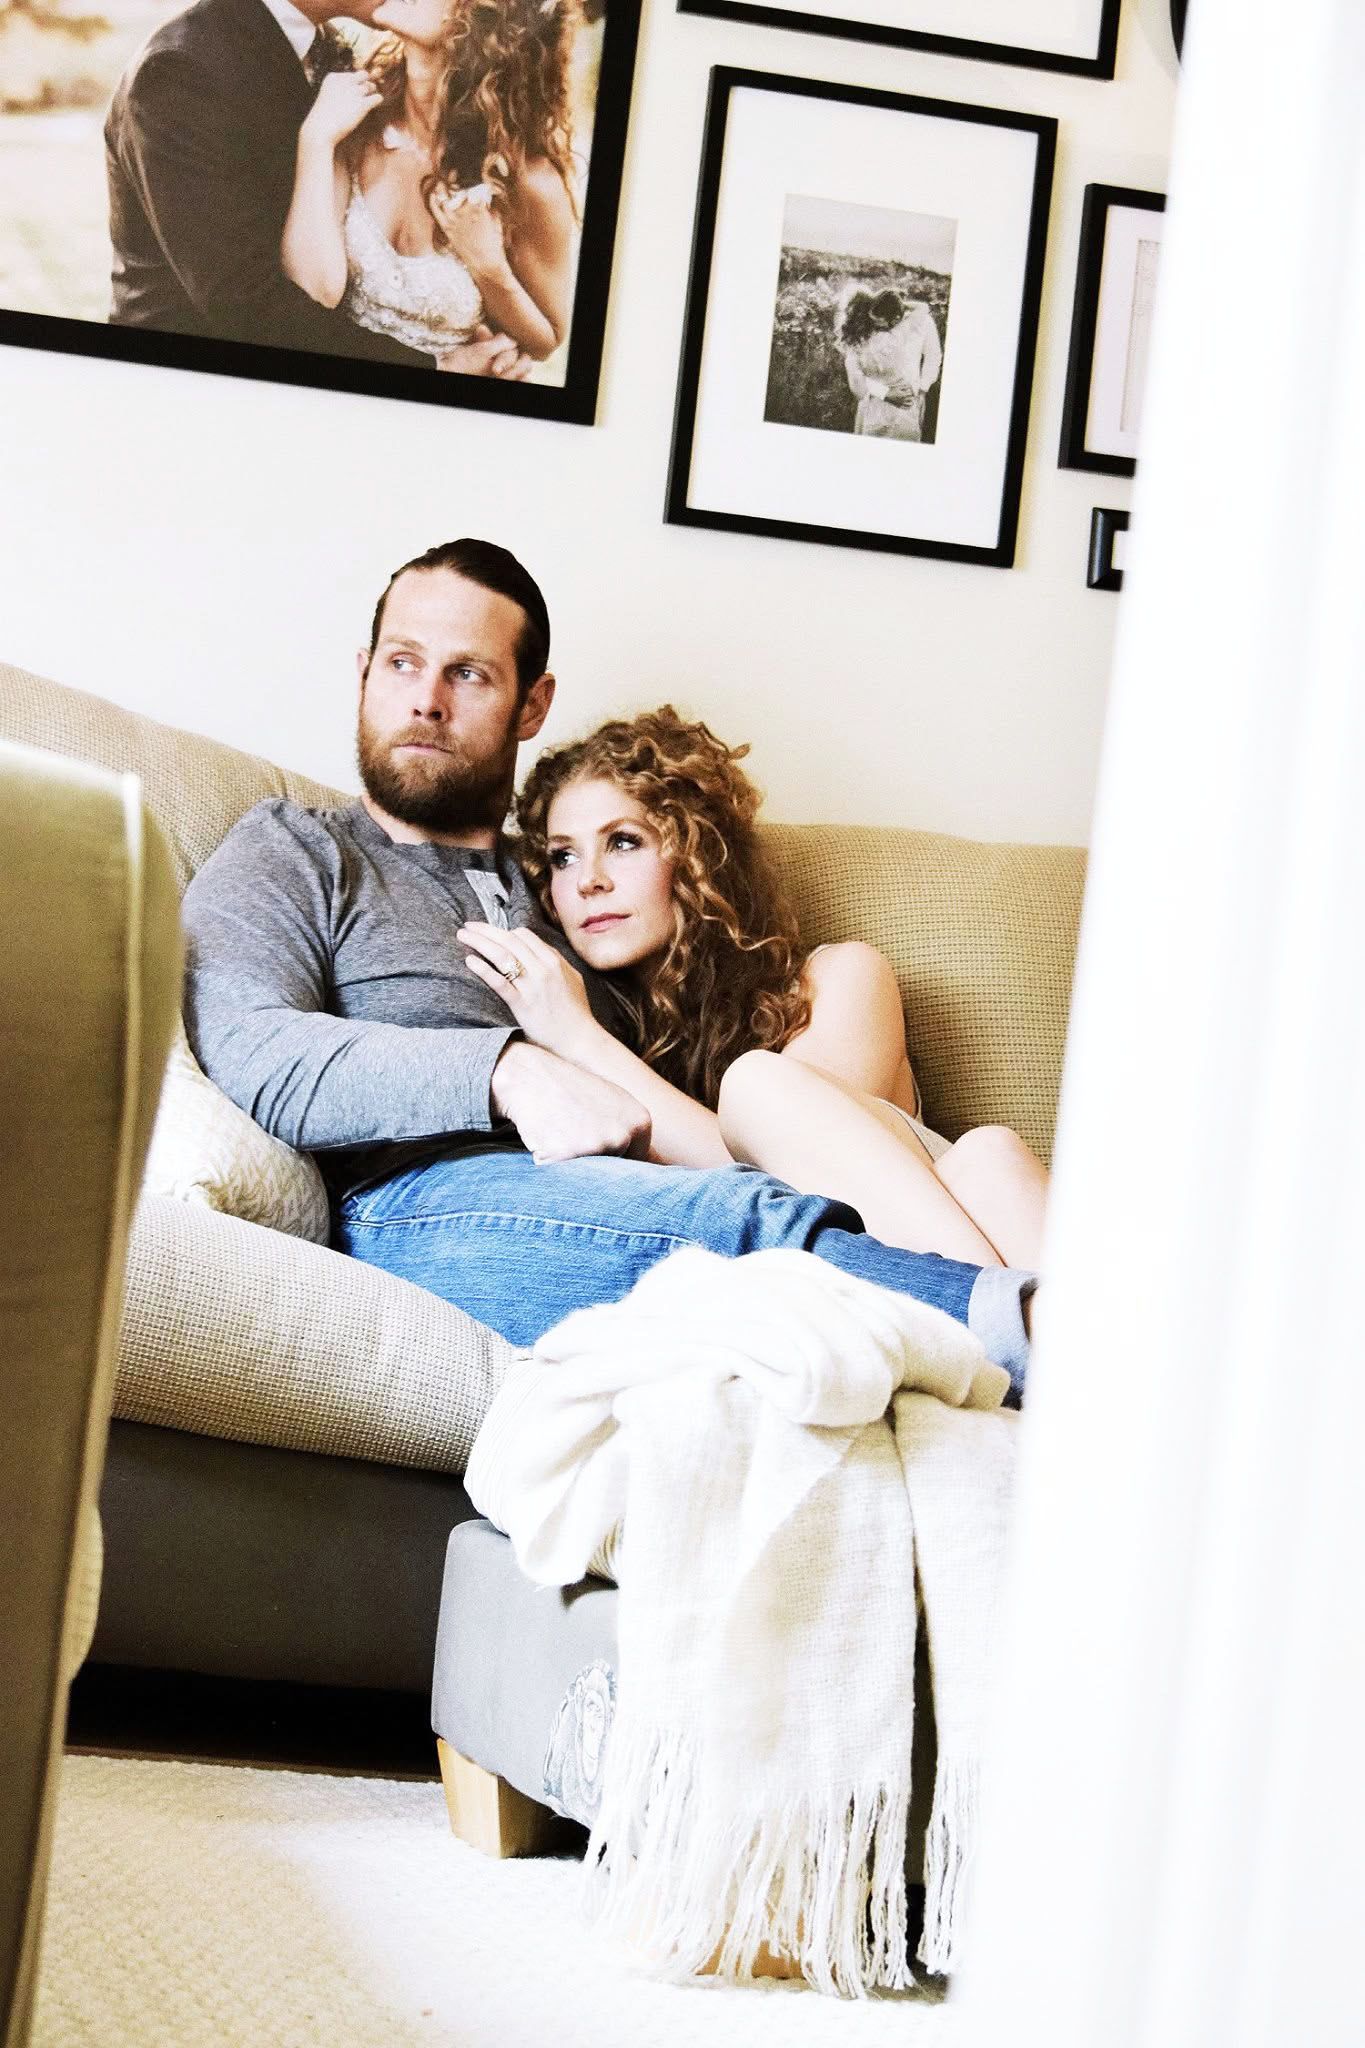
(327,995)
(199,144)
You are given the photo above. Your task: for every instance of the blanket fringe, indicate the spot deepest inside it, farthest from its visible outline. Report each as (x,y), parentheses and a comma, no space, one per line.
(687,1873)
(947,1863)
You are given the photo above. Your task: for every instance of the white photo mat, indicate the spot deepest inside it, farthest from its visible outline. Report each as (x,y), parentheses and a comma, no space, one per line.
(1132,242)
(972,171)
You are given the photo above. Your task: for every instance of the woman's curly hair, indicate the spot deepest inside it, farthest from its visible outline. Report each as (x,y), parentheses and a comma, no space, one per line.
(503,97)
(730,979)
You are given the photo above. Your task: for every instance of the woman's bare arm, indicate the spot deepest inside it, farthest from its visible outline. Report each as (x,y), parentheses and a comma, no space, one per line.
(548,1000)
(312,247)
(520,264)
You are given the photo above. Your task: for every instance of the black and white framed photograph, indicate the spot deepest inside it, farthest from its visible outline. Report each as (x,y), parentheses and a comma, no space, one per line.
(413,198)
(1111,329)
(1077,36)
(861,319)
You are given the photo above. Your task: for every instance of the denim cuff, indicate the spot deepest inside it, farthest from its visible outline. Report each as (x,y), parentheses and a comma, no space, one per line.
(995,1314)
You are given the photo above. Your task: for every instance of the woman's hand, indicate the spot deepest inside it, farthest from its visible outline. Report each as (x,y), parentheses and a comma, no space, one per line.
(344,99)
(471,228)
(543,992)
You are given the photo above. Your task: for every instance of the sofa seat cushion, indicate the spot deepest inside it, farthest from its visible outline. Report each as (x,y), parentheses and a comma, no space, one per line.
(231,1330)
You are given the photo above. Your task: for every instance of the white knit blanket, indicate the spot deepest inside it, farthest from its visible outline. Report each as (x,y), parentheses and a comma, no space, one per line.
(785,1448)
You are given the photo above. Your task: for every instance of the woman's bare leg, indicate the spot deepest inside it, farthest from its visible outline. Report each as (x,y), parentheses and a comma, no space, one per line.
(855,1040)
(994,1177)
(819,1135)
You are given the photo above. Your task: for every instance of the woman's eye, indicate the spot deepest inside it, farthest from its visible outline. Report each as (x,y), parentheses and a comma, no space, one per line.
(626,839)
(559,857)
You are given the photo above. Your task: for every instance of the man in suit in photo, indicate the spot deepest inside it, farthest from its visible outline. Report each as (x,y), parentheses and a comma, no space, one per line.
(200,148)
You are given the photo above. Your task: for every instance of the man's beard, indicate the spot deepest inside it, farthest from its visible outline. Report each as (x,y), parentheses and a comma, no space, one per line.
(445,792)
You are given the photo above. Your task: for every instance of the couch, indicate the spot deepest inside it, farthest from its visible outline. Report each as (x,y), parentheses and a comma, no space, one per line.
(89,992)
(290,1427)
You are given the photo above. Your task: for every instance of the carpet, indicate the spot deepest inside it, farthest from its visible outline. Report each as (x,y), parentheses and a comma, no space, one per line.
(204,1906)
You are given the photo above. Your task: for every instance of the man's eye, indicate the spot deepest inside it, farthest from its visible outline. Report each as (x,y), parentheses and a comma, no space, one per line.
(402,661)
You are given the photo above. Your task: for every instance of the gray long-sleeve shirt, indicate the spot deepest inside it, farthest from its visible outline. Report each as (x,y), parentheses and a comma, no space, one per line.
(326,994)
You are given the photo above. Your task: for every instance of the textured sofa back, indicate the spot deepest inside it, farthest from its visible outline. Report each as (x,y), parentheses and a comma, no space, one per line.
(982,936)
(196,789)
(983,941)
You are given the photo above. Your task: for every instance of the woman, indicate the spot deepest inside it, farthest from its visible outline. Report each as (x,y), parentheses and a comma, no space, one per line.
(892,359)
(641,841)
(432,189)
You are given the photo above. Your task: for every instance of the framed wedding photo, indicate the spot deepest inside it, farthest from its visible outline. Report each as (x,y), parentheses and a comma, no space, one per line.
(1111,326)
(862,316)
(1078,36)
(417,200)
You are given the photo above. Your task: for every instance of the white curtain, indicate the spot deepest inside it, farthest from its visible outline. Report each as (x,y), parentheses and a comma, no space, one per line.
(1174,1848)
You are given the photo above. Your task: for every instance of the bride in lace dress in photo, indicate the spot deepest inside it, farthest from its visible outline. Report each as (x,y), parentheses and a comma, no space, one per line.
(432,195)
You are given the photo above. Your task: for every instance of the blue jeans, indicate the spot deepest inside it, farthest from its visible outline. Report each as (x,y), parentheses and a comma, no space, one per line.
(520,1245)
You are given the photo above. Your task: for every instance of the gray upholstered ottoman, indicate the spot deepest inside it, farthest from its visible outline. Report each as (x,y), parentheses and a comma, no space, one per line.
(522,1701)
(522,1695)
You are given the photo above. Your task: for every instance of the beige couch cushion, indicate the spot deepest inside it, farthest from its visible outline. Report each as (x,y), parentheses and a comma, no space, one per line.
(982,938)
(204,1149)
(230,1330)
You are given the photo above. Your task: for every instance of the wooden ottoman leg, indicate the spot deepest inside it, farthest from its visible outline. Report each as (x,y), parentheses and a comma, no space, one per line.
(490,1814)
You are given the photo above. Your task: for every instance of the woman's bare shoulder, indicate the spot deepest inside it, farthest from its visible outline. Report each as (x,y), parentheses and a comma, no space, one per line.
(540,188)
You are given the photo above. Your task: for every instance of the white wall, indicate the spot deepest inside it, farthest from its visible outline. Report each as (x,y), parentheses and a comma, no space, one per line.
(208,549)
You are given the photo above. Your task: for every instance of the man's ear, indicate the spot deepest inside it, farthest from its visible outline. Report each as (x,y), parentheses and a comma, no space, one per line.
(362,664)
(536,707)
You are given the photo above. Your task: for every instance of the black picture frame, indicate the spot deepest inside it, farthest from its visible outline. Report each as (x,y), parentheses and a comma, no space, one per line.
(1100,65)
(725,82)
(1100,202)
(1178,8)
(1101,572)
(574,401)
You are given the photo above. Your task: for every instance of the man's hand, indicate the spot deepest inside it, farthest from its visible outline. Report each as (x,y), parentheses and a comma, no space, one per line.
(561,1112)
(486,354)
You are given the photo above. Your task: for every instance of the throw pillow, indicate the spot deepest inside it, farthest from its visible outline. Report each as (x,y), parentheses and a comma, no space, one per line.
(204,1149)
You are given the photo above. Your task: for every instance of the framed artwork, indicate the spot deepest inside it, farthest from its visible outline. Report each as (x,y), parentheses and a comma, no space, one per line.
(1111,324)
(1079,36)
(1108,533)
(861,319)
(219,187)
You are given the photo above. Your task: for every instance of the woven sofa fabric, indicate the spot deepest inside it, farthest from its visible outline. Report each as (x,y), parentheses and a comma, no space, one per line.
(982,938)
(231,1330)
(195,788)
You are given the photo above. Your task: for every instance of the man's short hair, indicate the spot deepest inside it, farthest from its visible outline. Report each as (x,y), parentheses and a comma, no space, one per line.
(493,568)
